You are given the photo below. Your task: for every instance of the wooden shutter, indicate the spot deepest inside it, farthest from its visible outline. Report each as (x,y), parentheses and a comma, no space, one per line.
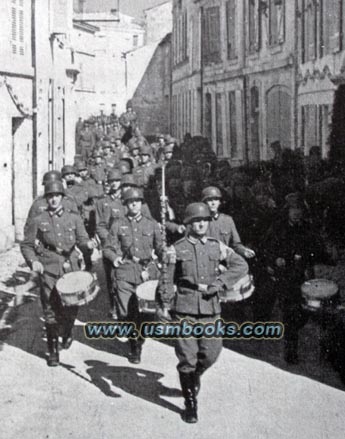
(233,122)
(231,28)
(273,23)
(333,13)
(219,125)
(212,35)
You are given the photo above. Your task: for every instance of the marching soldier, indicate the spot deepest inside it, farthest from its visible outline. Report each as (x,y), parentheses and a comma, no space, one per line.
(98,172)
(87,141)
(74,189)
(108,209)
(193,266)
(222,227)
(146,168)
(129,119)
(108,157)
(134,150)
(58,232)
(130,244)
(40,203)
(113,118)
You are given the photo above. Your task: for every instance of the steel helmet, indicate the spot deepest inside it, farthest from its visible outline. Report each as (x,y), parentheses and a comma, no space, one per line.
(97,153)
(129,180)
(168,148)
(68,169)
(80,166)
(114,174)
(54,187)
(145,150)
(196,211)
(51,176)
(133,193)
(124,167)
(210,192)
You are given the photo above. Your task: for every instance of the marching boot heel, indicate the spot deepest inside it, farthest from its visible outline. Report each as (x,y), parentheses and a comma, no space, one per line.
(188,384)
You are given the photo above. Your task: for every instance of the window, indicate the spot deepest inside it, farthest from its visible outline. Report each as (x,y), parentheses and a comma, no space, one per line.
(211,33)
(135,41)
(276,22)
(180,37)
(231,28)
(219,125)
(233,126)
(332,26)
(17,27)
(254,25)
(309,30)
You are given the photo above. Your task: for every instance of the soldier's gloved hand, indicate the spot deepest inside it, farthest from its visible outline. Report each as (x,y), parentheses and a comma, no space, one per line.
(118,261)
(181,229)
(249,253)
(92,244)
(163,315)
(145,276)
(37,267)
(280,262)
(213,289)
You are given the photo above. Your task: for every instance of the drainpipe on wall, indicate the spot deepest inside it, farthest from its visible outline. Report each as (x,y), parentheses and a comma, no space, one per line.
(295,75)
(245,86)
(202,72)
(34,99)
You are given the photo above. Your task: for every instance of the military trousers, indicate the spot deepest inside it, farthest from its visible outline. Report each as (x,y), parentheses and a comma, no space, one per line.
(55,313)
(197,353)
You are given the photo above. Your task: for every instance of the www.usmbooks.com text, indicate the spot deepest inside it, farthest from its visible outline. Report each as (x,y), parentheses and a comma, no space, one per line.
(185,329)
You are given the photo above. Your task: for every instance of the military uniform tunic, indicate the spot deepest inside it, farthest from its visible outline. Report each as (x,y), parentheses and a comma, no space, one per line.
(133,239)
(193,262)
(51,238)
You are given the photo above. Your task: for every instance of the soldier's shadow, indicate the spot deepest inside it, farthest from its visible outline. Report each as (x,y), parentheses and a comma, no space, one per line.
(140,383)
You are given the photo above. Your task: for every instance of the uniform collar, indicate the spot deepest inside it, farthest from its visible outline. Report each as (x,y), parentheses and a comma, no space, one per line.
(136,218)
(193,240)
(115,195)
(57,212)
(215,216)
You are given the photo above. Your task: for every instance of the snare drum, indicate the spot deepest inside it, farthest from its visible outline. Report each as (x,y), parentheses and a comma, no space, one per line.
(146,293)
(242,290)
(77,288)
(318,294)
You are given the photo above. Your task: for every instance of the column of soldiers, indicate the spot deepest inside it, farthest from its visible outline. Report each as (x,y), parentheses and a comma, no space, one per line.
(111,198)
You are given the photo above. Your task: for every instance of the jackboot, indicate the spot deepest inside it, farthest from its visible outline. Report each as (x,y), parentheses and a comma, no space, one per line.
(135,351)
(198,372)
(291,351)
(53,345)
(188,384)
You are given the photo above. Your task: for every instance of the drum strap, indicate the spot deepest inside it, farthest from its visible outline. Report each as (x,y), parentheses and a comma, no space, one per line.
(59,251)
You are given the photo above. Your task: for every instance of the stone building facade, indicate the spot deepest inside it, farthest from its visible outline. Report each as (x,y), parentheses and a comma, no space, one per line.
(234,75)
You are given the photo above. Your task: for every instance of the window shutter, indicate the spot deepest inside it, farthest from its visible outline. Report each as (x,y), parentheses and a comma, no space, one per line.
(231,28)
(333,13)
(14,36)
(212,35)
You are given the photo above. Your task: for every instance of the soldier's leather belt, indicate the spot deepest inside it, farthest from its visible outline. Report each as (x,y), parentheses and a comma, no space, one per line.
(184,283)
(59,251)
(143,262)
